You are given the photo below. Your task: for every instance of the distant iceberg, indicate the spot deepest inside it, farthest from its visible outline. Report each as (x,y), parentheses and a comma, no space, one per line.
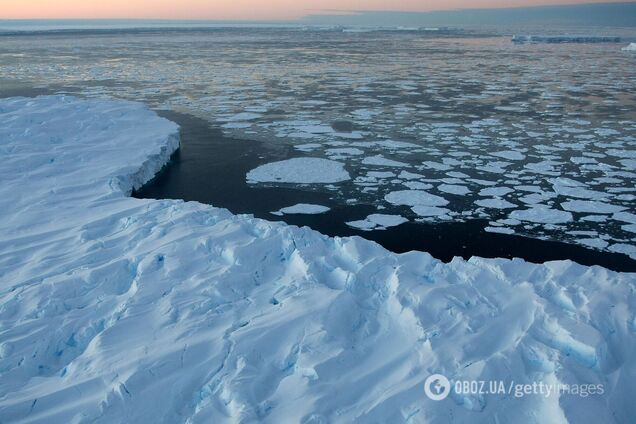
(553,39)
(630,48)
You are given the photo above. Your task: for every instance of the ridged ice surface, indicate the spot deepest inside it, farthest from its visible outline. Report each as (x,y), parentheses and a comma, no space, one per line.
(114,309)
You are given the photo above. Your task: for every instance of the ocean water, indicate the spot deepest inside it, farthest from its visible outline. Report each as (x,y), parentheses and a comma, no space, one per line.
(521,141)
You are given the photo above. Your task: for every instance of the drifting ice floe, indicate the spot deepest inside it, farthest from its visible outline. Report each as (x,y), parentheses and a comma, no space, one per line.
(415,198)
(114,309)
(378,221)
(590,206)
(302,208)
(542,214)
(495,204)
(299,171)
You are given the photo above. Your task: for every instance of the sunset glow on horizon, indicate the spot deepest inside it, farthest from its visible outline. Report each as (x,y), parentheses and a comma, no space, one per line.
(239,9)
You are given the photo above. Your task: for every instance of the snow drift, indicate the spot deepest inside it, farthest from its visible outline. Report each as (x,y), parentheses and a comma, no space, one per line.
(114,309)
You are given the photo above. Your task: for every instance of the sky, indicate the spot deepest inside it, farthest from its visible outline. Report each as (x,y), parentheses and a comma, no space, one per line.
(238,9)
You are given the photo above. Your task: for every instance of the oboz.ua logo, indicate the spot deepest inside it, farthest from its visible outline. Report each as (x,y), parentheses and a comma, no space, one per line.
(437,387)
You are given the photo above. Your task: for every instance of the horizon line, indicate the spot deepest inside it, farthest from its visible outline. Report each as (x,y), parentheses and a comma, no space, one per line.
(323,13)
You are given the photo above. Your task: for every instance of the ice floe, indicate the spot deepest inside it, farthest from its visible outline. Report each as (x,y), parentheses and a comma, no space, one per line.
(495,203)
(302,208)
(377,221)
(459,190)
(415,198)
(299,171)
(380,160)
(500,230)
(591,206)
(542,214)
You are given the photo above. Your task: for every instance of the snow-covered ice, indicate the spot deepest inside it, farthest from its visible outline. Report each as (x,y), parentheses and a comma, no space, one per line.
(591,206)
(495,203)
(510,155)
(415,198)
(427,211)
(457,189)
(501,230)
(542,214)
(115,309)
(377,221)
(299,171)
(380,160)
(302,208)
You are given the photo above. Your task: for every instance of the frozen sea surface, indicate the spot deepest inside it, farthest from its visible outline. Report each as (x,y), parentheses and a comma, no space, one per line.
(116,309)
(548,125)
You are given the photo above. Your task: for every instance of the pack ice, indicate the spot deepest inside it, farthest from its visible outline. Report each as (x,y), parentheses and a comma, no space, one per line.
(114,309)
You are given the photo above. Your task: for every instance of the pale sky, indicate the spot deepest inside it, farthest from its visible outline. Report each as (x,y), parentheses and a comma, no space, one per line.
(237,9)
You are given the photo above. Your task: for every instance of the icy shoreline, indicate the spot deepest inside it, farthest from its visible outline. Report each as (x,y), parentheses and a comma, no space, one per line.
(115,309)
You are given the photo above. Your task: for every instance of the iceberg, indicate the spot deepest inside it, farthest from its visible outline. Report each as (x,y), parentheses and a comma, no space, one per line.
(115,309)
(631,47)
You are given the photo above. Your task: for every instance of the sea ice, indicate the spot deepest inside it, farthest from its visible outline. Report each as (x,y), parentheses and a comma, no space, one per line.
(378,221)
(595,243)
(495,203)
(380,160)
(591,206)
(243,116)
(299,171)
(454,189)
(415,198)
(542,214)
(302,208)
(422,210)
(510,155)
(345,151)
(501,230)
(495,191)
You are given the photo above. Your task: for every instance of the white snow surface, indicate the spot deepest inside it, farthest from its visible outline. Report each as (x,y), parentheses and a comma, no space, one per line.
(415,198)
(299,171)
(378,221)
(114,309)
(302,208)
(542,214)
